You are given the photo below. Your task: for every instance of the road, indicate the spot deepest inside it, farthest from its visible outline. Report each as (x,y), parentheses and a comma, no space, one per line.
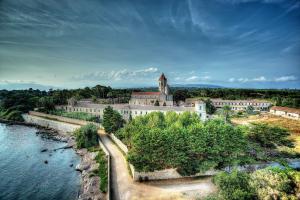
(124,188)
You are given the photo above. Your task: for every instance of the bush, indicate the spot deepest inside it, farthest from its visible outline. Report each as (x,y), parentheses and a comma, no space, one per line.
(276,183)
(14,116)
(102,172)
(269,136)
(86,136)
(269,183)
(234,185)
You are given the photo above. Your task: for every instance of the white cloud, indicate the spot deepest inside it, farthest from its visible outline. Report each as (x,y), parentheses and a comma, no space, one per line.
(231,80)
(192,78)
(118,75)
(260,79)
(263,79)
(286,78)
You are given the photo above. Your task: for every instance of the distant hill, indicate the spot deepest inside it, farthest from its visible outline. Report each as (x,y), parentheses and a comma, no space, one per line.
(196,86)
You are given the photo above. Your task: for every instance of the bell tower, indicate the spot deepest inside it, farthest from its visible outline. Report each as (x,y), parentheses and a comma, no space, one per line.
(162,84)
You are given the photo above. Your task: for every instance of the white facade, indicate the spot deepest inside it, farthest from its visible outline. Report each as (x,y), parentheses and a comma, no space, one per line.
(241,105)
(134,110)
(291,113)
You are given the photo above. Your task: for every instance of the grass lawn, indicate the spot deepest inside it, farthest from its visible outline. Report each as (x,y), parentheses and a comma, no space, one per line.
(292,125)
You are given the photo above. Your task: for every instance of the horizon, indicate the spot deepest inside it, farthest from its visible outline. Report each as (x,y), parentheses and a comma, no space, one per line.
(247,44)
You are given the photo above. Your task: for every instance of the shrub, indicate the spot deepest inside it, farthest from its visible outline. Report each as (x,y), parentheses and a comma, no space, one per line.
(102,172)
(269,136)
(234,185)
(14,116)
(276,183)
(86,136)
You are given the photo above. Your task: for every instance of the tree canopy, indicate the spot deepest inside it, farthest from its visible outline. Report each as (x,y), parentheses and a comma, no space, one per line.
(157,141)
(112,120)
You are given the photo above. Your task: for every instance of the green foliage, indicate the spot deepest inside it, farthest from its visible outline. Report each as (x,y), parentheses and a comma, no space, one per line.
(47,103)
(157,141)
(276,183)
(269,136)
(76,115)
(112,120)
(234,185)
(226,111)
(102,170)
(210,108)
(268,183)
(86,136)
(250,110)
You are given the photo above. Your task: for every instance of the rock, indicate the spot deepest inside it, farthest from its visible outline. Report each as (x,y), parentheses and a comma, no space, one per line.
(44,150)
(71,165)
(46,161)
(82,166)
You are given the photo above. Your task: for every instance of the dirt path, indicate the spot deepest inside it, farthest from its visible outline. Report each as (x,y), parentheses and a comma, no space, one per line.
(124,188)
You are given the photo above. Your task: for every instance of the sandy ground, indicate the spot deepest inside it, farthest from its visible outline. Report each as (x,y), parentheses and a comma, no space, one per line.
(292,125)
(124,188)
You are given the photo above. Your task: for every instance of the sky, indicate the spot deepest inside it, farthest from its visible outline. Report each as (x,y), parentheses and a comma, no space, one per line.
(129,43)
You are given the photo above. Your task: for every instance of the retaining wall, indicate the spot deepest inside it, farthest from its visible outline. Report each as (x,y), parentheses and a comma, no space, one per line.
(62,127)
(119,143)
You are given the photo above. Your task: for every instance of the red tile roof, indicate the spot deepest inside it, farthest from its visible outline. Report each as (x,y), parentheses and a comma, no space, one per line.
(286,109)
(146,93)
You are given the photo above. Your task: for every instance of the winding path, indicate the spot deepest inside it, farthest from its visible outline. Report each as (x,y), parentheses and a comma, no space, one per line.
(124,188)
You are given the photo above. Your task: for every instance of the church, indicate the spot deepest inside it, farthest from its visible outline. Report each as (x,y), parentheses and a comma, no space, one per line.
(161,98)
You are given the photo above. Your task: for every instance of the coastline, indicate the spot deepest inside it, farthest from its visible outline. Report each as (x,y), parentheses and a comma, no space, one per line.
(89,187)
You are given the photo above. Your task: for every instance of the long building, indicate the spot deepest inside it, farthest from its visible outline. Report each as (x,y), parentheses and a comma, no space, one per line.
(236,105)
(291,113)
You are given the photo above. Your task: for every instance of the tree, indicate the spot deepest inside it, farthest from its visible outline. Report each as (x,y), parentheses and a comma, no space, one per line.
(47,103)
(210,108)
(112,120)
(86,136)
(226,113)
(156,103)
(164,104)
(269,136)
(250,110)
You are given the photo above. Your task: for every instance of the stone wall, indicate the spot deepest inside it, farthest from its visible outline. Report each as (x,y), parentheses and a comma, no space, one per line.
(64,128)
(119,143)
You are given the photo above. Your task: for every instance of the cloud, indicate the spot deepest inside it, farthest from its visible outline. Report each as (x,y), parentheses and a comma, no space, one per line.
(197,78)
(286,78)
(260,79)
(118,75)
(263,79)
(192,78)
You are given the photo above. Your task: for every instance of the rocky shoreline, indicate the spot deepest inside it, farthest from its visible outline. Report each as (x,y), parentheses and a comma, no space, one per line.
(90,181)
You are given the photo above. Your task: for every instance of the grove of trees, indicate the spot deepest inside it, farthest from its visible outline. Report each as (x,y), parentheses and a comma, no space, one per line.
(86,136)
(157,141)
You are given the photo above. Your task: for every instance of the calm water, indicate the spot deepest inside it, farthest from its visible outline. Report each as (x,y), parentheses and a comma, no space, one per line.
(23,173)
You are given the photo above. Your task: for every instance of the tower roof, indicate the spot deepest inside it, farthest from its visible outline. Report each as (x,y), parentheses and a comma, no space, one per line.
(162,77)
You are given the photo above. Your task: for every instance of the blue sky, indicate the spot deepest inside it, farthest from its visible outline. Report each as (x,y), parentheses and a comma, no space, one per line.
(128,43)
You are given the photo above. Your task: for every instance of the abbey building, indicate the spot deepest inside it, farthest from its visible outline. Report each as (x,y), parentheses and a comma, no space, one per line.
(141,103)
(161,98)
